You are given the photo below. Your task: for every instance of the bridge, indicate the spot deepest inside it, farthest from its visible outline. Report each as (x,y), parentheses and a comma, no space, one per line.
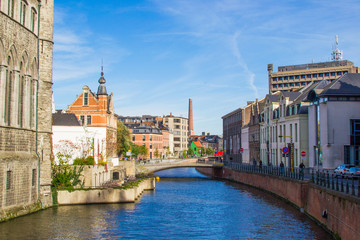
(155,166)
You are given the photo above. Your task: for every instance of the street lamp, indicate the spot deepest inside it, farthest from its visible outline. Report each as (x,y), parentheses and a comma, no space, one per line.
(291,152)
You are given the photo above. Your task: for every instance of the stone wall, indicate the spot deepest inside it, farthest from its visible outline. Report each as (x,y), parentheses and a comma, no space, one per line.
(109,195)
(22,69)
(342,210)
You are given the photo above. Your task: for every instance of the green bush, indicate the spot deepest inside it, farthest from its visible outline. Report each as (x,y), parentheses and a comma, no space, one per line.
(84,161)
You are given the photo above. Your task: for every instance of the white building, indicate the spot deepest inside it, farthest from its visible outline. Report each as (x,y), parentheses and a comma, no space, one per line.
(334,123)
(69,137)
(285,115)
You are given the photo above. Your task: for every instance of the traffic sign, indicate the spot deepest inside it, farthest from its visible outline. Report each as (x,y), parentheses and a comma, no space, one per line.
(285,150)
(241,149)
(303,153)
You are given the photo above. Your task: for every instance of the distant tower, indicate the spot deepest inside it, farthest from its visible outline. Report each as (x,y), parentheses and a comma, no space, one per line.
(190,116)
(336,54)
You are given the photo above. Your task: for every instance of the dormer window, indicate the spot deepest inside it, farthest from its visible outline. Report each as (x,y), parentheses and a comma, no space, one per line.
(86,99)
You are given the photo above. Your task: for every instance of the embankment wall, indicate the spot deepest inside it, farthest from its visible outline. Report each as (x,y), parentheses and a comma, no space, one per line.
(343,211)
(109,195)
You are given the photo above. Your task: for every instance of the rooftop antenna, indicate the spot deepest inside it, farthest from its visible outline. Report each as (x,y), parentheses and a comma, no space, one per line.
(336,54)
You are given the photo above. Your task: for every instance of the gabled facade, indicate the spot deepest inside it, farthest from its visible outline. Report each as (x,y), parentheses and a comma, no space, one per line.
(96,112)
(196,147)
(250,132)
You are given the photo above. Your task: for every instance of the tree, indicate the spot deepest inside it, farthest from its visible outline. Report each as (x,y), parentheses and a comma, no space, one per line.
(144,151)
(190,151)
(156,153)
(123,139)
(210,151)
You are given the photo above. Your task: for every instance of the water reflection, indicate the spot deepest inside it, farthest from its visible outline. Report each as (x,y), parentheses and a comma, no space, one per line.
(190,207)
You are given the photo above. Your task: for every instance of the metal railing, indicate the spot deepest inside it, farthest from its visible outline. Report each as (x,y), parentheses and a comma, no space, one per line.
(286,172)
(325,178)
(336,182)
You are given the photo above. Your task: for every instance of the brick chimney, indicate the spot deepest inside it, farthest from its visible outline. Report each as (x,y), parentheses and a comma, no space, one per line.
(190,116)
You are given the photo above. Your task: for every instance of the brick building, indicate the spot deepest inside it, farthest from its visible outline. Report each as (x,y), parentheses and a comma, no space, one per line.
(96,113)
(151,138)
(232,124)
(25,109)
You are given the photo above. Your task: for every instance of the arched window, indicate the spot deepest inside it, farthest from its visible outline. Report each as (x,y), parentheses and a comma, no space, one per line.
(21,95)
(8,89)
(23,8)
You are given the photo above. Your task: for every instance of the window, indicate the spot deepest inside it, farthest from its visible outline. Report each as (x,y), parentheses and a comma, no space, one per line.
(354,132)
(303,83)
(327,74)
(292,84)
(143,137)
(86,99)
(23,12)
(274,85)
(286,85)
(280,78)
(338,73)
(88,120)
(33,179)
(33,19)
(11,8)
(291,77)
(297,84)
(150,138)
(296,132)
(333,74)
(303,76)
(150,146)
(321,75)
(82,120)
(133,138)
(308,75)
(8,90)
(21,95)
(8,180)
(286,78)
(274,78)
(297,77)
(315,75)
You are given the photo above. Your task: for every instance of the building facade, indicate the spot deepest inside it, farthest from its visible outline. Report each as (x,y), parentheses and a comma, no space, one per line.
(334,123)
(151,138)
(179,126)
(96,113)
(25,109)
(291,77)
(232,124)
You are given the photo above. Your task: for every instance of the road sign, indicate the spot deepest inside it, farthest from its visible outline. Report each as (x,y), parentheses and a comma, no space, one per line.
(285,150)
(303,154)
(241,149)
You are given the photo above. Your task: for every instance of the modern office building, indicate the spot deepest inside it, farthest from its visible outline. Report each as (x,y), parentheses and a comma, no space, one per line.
(293,77)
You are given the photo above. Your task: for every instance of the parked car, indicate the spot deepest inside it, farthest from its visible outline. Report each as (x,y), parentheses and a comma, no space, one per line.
(341,169)
(354,172)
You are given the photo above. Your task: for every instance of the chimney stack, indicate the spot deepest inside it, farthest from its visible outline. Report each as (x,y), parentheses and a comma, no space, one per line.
(190,116)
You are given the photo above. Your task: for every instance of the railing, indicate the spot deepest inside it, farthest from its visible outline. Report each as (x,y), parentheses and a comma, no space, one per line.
(336,182)
(324,179)
(286,172)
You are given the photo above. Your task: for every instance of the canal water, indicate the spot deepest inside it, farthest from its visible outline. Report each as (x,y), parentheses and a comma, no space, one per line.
(185,205)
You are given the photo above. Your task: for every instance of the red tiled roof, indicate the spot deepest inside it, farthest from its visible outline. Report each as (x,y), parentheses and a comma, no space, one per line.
(197,144)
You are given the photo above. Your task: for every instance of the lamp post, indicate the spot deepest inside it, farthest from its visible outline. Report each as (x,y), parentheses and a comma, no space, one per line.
(291,152)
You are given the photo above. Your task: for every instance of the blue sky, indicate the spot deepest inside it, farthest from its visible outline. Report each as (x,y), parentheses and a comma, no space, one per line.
(159,53)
